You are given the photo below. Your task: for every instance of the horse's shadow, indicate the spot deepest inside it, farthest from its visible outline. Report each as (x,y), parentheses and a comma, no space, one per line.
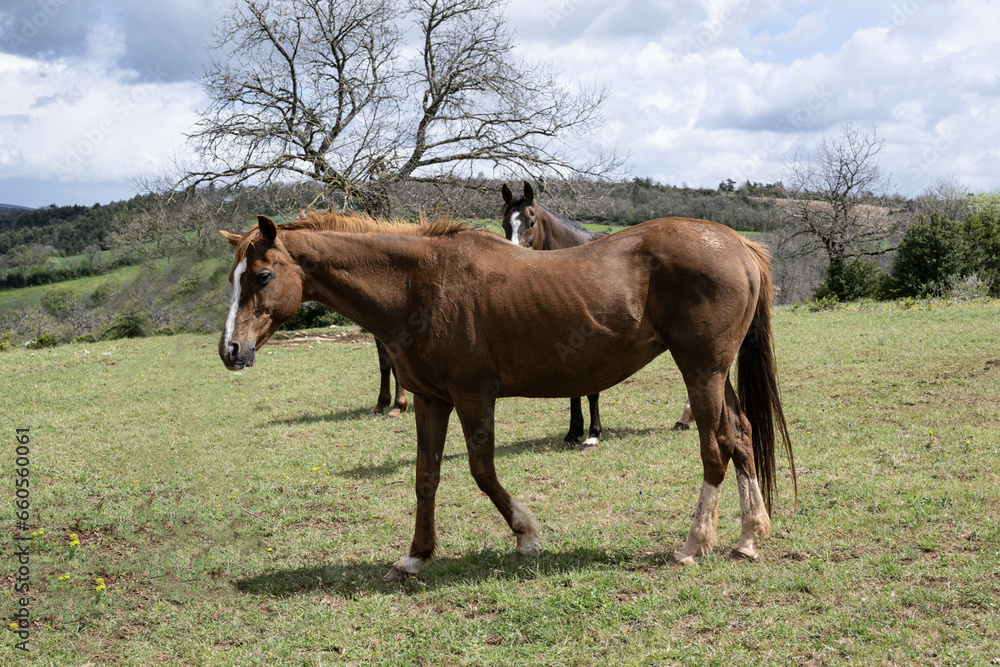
(341,416)
(552,443)
(356,578)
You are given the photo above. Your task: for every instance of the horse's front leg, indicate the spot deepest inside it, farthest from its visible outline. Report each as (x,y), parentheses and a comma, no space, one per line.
(575,423)
(478,427)
(431,416)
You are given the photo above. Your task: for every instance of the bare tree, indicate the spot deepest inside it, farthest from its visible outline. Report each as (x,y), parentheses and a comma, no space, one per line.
(838,198)
(947,196)
(358,95)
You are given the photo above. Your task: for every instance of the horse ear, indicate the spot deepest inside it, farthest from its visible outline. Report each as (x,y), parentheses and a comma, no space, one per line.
(267,228)
(234,239)
(529,193)
(507,194)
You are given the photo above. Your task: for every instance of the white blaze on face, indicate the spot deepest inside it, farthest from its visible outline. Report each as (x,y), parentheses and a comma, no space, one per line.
(515,228)
(234,305)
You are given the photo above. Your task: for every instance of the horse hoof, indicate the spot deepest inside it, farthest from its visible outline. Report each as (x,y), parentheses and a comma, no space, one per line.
(681,426)
(377,410)
(680,560)
(396,576)
(395,413)
(742,556)
(570,443)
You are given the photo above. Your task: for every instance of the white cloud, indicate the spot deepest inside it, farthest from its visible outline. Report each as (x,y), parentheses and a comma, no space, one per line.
(700,91)
(85,120)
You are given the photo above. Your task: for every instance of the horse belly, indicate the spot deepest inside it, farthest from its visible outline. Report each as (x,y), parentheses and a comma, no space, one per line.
(576,365)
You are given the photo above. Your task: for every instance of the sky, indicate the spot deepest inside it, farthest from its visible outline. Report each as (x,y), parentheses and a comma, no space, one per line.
(99,94)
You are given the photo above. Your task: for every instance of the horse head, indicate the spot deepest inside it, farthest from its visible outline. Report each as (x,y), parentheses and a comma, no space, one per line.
(267,292)
(520,213)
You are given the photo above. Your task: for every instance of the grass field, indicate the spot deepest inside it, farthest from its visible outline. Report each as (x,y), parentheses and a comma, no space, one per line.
(247,519)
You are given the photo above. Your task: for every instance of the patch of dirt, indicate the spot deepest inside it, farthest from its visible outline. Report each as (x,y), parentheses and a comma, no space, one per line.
(291,339)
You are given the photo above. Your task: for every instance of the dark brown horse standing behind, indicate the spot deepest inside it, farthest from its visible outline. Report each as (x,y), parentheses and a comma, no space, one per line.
(530,225)
(452,307)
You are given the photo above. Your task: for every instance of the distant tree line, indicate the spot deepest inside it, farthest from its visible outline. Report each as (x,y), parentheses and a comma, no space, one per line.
(949,246)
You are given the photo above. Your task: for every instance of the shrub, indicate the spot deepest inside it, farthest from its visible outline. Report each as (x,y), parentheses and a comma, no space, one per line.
(850,280)
(314,315)
(85,338)
(104,292)
(929,257)
(56,299)
(42,342)
(125,325)
(982,247)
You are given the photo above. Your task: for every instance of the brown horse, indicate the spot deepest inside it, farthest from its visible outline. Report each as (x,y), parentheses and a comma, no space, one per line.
(530,225)
(454,307)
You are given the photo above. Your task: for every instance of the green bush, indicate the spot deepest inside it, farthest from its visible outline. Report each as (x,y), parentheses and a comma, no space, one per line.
(86,338)
(929,257)
(7,341)
(312,315)
(126,325)
(982,247)
(103,292)
(43,341)
(850,280)
(56,299)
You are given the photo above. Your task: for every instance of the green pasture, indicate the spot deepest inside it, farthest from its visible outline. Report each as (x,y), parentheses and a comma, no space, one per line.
(185,515)
(32,296)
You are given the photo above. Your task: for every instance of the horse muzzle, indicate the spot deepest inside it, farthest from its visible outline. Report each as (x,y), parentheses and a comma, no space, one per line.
(237,356)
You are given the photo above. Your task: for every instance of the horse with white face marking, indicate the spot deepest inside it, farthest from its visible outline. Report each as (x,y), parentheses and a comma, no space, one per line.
(528,224)
(455,327)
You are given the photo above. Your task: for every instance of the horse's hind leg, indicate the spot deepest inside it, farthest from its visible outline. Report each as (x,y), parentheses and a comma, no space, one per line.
(753,513)
(724,432)
(478,427)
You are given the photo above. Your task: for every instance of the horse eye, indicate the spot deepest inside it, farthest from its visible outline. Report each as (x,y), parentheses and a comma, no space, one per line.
(263,278)
(531,223)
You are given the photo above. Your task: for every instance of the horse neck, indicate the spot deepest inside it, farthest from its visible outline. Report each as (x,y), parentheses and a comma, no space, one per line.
(560,233)
(363,277)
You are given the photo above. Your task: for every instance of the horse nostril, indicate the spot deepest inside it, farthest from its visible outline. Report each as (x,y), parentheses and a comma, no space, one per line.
(234,350)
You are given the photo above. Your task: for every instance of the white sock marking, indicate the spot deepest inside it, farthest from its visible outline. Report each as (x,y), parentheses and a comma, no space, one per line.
(234,305)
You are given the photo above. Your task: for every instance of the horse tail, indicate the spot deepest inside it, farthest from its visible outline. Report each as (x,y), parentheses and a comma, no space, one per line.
(757,384)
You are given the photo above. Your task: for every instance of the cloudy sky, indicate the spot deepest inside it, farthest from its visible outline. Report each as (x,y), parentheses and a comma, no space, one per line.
(99,92)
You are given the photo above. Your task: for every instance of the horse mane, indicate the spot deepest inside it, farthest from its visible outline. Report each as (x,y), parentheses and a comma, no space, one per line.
(564,221)
(357,223)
